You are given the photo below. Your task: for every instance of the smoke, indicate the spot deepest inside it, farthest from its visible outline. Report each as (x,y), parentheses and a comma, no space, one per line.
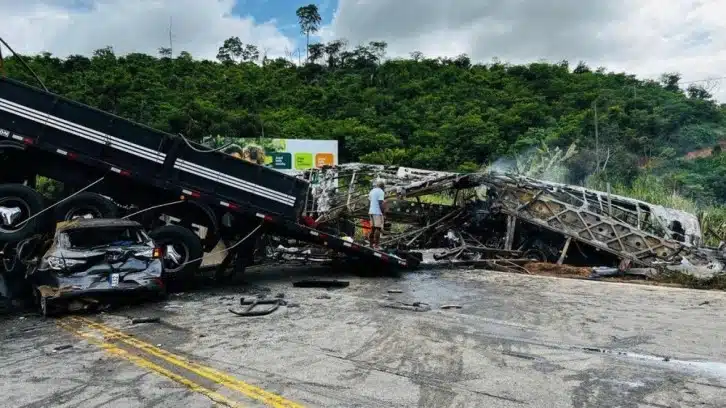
(541,163)
(502,165)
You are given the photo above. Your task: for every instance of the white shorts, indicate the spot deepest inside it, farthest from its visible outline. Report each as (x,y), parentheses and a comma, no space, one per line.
(376,221)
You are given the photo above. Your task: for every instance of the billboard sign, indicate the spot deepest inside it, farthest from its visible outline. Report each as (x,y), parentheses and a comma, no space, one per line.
(300,154)
(287,155)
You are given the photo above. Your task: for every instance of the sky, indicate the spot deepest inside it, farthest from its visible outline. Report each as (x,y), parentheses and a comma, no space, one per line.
(642,37)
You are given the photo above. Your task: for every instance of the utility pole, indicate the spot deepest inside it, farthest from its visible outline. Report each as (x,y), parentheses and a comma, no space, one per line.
(262,128)
(171,41)
(597,138)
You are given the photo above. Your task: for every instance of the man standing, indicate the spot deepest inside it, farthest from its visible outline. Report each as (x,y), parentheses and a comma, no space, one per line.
(375,211)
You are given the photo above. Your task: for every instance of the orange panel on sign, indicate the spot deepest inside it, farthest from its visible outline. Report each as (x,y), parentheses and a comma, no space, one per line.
(324,159)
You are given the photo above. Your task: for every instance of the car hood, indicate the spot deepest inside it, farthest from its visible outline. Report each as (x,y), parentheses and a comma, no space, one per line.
(96,252)
(102,261)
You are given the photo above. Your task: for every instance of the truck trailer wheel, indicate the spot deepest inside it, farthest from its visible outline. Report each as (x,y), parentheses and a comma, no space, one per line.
(86,205)
(17,204)
(180,246)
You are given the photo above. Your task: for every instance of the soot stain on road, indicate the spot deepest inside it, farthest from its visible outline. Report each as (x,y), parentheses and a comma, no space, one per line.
(621,385)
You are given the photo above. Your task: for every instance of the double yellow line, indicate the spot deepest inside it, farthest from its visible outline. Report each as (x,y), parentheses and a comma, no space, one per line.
(135,349)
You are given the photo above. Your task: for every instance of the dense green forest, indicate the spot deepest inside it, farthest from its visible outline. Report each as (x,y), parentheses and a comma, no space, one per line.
(436,113)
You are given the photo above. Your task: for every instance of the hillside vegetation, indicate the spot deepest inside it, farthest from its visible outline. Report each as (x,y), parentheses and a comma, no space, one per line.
(436,113)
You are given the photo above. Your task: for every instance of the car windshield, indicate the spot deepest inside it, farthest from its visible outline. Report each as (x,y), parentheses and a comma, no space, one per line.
(101,237)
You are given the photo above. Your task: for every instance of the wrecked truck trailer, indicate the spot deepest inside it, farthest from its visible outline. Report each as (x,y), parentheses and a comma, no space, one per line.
(89,260)
(535,219)
(150,176)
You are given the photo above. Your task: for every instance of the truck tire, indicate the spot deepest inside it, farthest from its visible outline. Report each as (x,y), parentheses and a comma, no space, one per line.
(186,245)
(30,203)
(85,203)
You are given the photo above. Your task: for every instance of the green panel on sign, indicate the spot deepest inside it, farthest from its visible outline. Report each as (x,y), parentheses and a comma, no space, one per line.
(303,161)
(282,161)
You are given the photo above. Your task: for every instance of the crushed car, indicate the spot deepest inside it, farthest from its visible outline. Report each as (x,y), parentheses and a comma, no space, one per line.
(91,260)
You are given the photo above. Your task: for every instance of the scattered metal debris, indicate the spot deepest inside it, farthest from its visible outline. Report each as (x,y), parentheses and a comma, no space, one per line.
(250,311)
(503,221)
(414,307)
(138,320)
(326,284)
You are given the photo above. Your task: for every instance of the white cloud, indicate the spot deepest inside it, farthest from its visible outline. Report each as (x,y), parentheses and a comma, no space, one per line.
(644,37)
(198,26)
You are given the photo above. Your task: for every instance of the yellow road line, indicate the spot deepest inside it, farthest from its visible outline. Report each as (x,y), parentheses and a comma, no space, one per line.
(209,373)
(148,365)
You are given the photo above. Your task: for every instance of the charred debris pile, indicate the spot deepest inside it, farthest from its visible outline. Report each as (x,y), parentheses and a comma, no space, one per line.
(513,223)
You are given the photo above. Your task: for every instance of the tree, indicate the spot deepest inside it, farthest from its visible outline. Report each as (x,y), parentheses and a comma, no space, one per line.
(316,52)
(250,53)
(165,52)
(378,50)
(698,92)
(333,50)
(670,81)
(582,68)
(231,48)
(309,20)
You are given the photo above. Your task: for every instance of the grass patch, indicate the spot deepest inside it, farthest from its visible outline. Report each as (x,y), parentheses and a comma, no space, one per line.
(717,282)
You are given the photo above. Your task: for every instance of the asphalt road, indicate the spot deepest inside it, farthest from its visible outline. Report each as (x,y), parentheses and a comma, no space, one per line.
(517,341)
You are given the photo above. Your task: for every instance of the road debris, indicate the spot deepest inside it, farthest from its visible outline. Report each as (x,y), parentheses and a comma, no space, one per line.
(138,320)
(413,307)
(251,311)
(326,284)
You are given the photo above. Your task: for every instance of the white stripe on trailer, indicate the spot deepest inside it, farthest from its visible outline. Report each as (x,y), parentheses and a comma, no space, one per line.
(315,233)
(63,152)
(218,174)
(81,131)
(378,254)
(140,151)
(239,184)
(16,137)
(91,134)
(187,192)
(115,170)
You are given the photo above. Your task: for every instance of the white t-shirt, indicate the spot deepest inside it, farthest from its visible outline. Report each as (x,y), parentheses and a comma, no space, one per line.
(375,196)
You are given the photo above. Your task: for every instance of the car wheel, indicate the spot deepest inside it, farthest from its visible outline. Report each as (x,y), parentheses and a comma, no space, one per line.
(182,251)
(86,205)
(18,197)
